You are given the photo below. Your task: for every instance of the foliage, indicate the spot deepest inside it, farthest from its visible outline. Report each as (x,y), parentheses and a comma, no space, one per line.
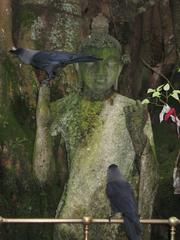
(162,96)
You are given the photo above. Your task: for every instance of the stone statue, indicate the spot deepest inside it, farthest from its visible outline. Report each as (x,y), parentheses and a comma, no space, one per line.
(101,127)
(99,78)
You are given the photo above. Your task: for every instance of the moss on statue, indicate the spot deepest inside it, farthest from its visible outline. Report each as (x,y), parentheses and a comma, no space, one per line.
(75,118)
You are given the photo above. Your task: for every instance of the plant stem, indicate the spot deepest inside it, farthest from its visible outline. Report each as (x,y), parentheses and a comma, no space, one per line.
(160,74)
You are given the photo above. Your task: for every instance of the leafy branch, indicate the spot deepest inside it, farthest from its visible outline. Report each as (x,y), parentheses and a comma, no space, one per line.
(161,93)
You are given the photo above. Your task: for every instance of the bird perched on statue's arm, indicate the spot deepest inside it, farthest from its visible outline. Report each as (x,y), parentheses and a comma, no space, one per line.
(50,61)
(122,200)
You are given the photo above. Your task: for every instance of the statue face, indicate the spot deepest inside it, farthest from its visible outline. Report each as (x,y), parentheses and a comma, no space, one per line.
(100,76)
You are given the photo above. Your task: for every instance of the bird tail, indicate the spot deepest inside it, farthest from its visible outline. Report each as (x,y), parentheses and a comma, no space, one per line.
(133,230)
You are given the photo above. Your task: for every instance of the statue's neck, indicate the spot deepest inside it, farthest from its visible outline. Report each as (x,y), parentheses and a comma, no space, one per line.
(96,96)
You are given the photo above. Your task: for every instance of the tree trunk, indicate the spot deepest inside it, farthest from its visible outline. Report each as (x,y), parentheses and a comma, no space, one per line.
(5,34)
(6,24)
(176,19)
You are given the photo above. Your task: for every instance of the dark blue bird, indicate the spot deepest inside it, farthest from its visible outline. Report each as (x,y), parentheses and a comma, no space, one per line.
(50,61)
(122,200)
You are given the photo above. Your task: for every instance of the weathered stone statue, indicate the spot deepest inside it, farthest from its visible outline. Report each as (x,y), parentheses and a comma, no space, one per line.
(99,78)
(101,128)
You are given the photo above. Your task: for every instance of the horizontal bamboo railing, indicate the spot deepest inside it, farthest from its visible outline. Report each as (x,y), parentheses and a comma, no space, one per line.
(86,221)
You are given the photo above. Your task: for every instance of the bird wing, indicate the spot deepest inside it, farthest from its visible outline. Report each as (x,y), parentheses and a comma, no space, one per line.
(121,198)
(44,58)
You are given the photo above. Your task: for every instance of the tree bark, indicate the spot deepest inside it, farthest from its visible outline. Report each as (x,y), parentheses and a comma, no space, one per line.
(5,34)
(176,20)
(5,24)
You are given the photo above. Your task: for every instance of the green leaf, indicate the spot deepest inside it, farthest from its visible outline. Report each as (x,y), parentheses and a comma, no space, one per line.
(175,95)
(166,87)
(160,88)
(176,91)
(145,101)
(150,90)
(156,94)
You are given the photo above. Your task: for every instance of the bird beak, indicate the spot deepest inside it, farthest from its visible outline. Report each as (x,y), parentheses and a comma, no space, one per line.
(13,49)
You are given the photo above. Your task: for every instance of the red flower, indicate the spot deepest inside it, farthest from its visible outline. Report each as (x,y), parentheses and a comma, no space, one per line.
(172,111)
(168,112)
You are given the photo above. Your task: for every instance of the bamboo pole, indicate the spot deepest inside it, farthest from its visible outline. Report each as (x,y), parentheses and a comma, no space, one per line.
(86,221)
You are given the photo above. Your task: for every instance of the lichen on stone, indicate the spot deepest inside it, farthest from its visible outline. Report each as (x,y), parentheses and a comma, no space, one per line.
(64,32)
(36,28)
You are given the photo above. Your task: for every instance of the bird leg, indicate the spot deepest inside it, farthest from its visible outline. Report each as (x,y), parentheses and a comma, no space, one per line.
(111,215)
(46,81)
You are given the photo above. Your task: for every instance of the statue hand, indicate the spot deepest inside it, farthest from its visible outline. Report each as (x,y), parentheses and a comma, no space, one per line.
(136,117)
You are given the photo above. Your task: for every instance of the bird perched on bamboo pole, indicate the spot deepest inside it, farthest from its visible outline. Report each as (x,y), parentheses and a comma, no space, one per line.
(122,200)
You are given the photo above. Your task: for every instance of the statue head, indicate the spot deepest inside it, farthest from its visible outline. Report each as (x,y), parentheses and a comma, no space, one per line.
(99,77)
